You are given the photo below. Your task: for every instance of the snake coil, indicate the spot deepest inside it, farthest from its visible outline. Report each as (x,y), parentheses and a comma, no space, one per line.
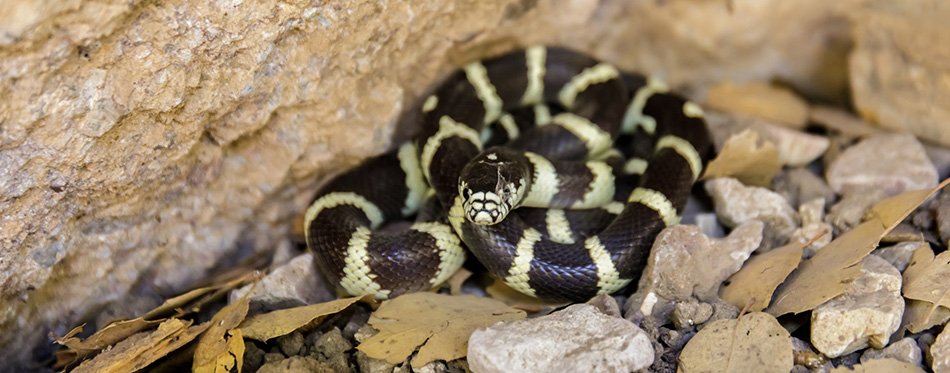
(598,161)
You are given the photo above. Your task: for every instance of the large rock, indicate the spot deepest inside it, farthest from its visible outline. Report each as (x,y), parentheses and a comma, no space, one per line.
(143,144)
(898,69)
(578,339)
(864,316)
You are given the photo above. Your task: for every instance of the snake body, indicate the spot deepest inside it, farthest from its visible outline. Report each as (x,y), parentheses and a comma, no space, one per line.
(536,129)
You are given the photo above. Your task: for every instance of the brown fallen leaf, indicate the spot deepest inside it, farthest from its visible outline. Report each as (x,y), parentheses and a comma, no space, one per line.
(499,291)
(754,342)
(760,276)
(455,282)
(921,315)
(742,157)
(926,277)
(105,337)
(144,348)
(887,365)
(830,272)
(215,351)
(438,325)
(843,122)
(762,100)
(281,322)
(194,299)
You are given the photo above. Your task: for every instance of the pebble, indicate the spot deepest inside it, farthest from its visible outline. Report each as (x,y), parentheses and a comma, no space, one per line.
(579,338)
(940,352)
(850,210)
(296,283)
(290,344)
(899,255)
(800,185)
(329,349)
(866,315)
(795,148)
(253,356)
(895,163)
(736,203)
(684,265)
(691,313)
(943,216)
(811,227)
(296,364)
(905,350)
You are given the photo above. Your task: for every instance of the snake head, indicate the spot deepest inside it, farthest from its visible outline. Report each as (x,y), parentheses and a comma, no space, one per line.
(492,185)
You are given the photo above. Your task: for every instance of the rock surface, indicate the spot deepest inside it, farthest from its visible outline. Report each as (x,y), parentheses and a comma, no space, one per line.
(940,352)
(905,350)
(296,283)
(736,204)
(577,339)
(894,163)
(896,81)
(866,315)
(685,265)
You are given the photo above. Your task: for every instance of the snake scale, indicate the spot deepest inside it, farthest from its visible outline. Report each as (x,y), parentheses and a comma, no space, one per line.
(555,170)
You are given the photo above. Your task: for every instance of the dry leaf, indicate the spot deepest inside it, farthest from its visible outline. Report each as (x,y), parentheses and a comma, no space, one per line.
(440,324)
(105,337)
(926,278)
(754,342)
(887,365)
(281,322)
(921,315)
(760,99)
(456,281)
(142,349)
(194,299)
(842,121)
(215,352)
(741,157)
(499,291)
(830,272)
(760,276)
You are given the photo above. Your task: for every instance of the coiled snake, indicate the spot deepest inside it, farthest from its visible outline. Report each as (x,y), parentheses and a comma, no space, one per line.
(600,162)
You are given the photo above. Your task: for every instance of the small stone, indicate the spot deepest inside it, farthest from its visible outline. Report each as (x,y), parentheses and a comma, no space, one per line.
(290,344)
(736,204)
(850,210)
(943,216)
(722,310)
(296,364)
(895,163)
(866,315)
(296,283)
(372,365)
(905,350)
(577,339)
(606,304)
(940,352)
(795,148)
(800,185)
(330,349)
(253,356)
(691,313)
(273,356)
(684,264)
(899,254)
(813,229)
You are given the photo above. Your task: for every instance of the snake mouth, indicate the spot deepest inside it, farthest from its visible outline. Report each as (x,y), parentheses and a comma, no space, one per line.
(485,208)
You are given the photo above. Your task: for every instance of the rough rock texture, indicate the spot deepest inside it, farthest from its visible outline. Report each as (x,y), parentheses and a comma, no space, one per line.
(143,144)
(866,315)
(898,68)
(578,339)
(812,227)
(854,203)
(736,204)
(899,255)
(940,352)
(293,284)
(800,185)
(685,265)
(905,350)
(895,163)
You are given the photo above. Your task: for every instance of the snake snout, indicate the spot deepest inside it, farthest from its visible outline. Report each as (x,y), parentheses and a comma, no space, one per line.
(485,208)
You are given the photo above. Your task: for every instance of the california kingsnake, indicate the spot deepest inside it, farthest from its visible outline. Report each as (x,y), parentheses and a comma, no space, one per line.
(567,106)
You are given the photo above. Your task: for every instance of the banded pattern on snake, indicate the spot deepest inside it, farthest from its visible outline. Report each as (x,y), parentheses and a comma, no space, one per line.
(596,163)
